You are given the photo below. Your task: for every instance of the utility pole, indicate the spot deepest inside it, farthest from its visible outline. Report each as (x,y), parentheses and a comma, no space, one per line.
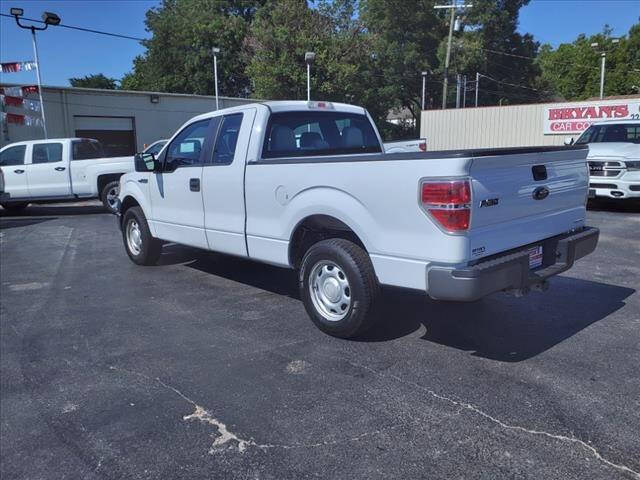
(477,85)
(424,87)
(453,7)
(215,51)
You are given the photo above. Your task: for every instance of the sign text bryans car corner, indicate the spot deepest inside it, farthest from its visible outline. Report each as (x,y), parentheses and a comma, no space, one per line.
(576,118)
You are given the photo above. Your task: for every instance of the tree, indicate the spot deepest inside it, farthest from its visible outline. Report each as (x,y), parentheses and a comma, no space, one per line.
(179,54)
(97,80)
(573,69)
(344,69)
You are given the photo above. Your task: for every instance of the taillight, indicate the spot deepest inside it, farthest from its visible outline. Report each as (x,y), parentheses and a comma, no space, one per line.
(448,203)
(423,146)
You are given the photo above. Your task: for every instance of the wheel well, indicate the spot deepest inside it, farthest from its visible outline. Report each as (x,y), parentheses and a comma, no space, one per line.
(107,178)
(127,203)
(315,228)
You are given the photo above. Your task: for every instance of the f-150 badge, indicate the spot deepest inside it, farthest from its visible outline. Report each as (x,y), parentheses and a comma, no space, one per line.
(489,202)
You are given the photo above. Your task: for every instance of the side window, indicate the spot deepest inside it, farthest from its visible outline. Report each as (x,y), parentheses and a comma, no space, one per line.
(13,156)
(185,149)
(227,139)
(87,150)
(46,153)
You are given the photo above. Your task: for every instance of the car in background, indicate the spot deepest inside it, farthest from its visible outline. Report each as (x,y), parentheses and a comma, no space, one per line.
(406,146)
(156,146)
(60,169)
(614,158)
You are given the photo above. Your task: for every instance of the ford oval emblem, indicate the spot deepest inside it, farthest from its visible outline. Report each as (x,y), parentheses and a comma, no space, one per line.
(540,193)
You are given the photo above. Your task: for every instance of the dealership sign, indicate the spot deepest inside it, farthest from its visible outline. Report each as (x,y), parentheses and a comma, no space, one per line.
(575,118)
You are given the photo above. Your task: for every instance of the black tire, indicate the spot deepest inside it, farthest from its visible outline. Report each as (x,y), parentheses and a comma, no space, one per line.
(150,247)
(362,286)
(106,195)
(14,207)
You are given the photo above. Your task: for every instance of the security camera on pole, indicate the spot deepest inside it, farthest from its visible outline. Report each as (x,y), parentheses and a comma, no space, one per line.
(48,18)
(309,57)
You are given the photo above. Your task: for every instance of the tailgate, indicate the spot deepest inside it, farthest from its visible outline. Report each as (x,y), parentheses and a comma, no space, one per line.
(522,196)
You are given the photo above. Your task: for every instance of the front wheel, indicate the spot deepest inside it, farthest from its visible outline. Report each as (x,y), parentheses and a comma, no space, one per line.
(338,287)
(141,247)
(109,196)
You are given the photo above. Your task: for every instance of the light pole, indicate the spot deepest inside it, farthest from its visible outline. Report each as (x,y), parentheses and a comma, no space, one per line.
(309,57)
(453,8)
(424,87)
(477,86)
(603,56)
(215,51)
(48,18)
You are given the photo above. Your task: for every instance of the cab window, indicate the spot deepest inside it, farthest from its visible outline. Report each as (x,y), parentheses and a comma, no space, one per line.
(314,133)
(13,156)
(46,153)
(227,139)
(185,150)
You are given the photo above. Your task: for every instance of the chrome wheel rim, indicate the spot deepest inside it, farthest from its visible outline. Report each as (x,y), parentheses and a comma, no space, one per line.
(134,237)
(330,290)
(112,197)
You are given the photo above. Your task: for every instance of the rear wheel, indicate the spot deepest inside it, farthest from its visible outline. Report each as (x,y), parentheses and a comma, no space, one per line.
(338,287)
(109,196)
(14,207)
(141,247)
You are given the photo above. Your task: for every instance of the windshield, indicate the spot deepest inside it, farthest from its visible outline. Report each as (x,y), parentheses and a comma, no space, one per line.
(616,132)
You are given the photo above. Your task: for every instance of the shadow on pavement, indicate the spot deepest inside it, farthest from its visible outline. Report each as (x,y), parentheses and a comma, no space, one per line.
(499,327)
(55,209)
(22,222)
(610,205)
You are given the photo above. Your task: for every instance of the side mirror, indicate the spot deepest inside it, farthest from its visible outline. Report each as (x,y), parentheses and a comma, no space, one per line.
(568,140)
(146,162)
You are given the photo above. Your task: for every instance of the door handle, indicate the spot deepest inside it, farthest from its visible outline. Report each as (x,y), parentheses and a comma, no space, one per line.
(194,184)
(143,180)
(18,171)
(60,169)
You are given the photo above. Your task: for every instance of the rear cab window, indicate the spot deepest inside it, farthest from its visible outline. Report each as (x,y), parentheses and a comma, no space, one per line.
(318,133)
(13,156)
(87,149)
(46,153)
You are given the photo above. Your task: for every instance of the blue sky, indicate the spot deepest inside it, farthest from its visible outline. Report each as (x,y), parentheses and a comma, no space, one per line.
(67,53)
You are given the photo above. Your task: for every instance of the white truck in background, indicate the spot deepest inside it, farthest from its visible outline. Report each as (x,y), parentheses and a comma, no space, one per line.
(60,169)
(308,186)
(614,158)
(405,146)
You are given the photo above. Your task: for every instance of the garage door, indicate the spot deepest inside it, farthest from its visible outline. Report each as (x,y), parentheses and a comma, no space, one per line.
(117,134)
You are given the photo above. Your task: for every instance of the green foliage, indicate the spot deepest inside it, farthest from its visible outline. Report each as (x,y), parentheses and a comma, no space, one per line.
(344,68)
(179,55)
(97,80)
(573,69)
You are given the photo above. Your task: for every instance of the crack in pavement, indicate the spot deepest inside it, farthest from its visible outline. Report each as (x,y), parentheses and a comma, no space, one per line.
(226,436)
(472,408)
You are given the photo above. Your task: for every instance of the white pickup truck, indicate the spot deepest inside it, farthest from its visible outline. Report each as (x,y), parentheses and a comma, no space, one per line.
(59,169)
(457,225)
(614,158)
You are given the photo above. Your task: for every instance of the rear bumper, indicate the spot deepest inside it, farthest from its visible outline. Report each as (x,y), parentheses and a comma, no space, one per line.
(511,270)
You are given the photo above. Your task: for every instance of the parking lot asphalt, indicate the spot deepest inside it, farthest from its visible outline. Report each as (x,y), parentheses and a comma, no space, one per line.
(208,367)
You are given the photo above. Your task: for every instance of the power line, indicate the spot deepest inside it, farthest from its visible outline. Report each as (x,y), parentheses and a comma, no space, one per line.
(511,84)
(82,29)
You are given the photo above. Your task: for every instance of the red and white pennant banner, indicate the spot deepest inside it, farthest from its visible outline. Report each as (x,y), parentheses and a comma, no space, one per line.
(17,66)
(19,91)
(20,119)
(10,101)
